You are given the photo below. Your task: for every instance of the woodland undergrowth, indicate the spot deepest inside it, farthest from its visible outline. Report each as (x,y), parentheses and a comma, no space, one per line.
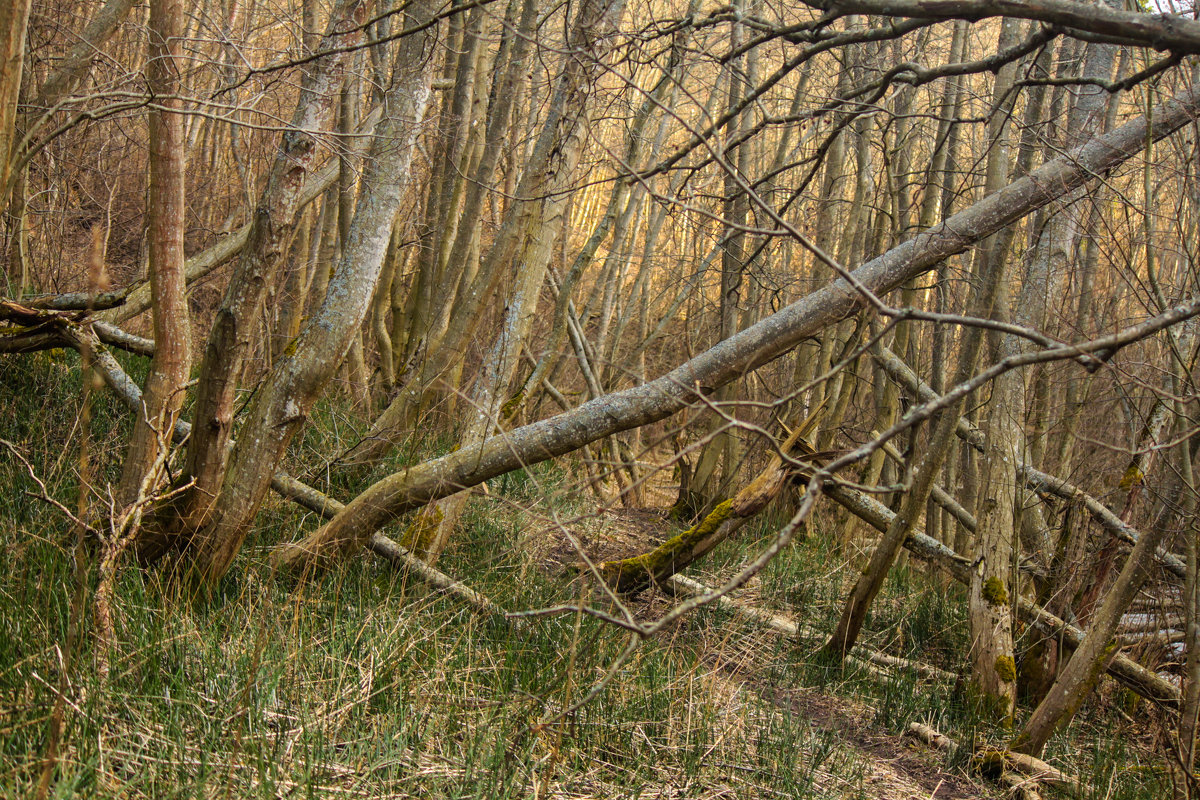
(364,682)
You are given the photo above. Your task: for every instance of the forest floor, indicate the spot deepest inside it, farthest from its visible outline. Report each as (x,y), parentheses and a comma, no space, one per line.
(894,766)
(364,682)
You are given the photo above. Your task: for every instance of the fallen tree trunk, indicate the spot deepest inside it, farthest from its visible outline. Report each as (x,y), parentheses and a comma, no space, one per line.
(779,624)
(730,359)
(996,762)
(655,567)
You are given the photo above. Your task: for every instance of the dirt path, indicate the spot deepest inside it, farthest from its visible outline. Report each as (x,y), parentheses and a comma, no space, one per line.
(901,768)
(897,767)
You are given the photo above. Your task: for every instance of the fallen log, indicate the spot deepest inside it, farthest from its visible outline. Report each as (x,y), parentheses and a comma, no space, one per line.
(1020,786)
(655,567)
(42,329)
(997,762)
(930,737)
(785,626)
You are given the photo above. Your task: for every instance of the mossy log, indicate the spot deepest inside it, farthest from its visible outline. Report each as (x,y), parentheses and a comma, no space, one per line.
(655,567)
(651,569)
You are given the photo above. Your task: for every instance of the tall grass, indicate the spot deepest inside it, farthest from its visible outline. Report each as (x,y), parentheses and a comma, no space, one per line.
(361,681)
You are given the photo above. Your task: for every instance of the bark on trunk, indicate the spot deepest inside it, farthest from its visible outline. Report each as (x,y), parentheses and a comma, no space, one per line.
(14,18)
(169,368)
(547,168)
(231,337)
(283,400)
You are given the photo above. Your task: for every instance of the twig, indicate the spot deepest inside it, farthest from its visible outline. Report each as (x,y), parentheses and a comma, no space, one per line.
(44,494)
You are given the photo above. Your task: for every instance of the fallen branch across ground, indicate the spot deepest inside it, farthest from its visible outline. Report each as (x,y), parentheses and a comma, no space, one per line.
(781,624)
(927,735)
(1126,671)
(995,763)
(290,488)
(1037,480)
(1022,774)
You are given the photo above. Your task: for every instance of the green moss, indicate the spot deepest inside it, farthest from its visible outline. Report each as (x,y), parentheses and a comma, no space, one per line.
(421,532)
(1132,477)
(633,574)
(1006,668)
(511,405)
(994,592)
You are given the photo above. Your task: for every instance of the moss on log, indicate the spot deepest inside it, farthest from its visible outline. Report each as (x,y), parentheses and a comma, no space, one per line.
(640,572)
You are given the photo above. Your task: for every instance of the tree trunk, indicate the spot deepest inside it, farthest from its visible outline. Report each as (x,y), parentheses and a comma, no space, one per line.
(1091,658)
(418,384)
(283,400)
(231,337)
(14,17)
(169,368)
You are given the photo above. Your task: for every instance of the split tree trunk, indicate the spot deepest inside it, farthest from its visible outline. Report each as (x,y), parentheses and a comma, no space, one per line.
(282,402)
(231,337)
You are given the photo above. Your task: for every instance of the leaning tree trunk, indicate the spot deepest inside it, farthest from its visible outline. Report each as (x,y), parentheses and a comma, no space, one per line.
(563,133)
(1091,658)
(1051,261)
(282,402)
